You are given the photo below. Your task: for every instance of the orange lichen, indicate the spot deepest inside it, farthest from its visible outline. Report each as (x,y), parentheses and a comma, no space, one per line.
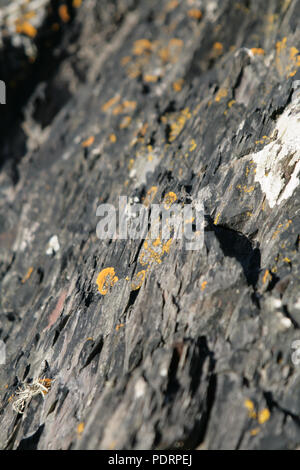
(151,193)
(203,285)
(218,48)
(281,227)
(193,145)
(142,45)
(126,106)
(125,122)
(88,142)
(171,5)
(231,103)
(113,138)
(106,106)
(80,428)
(106,279)
(169,199)
(254,431)
(179,123)
(125,60)
(287,62)
(177,86)
(77,3)
(245,188)
(121,325)
(263,416)
(27,275)
(195,14)
(150,78)
(251,409)
(138,280)
(217,218)
(171,52)
(153,250)
(26,28)
(265,276)
(257,51)
(64,13)
(222,93)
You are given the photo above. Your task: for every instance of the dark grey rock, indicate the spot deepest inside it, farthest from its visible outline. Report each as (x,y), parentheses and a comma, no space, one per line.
(200,356)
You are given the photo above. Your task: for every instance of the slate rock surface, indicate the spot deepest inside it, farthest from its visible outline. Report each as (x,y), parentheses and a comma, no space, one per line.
(158,101)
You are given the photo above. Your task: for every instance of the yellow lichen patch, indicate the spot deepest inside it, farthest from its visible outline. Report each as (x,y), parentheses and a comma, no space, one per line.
(129,105)
(138,280)
(294,61)
(245,188)
(121,325)
(110,103)
(27,275)
(287,260)
(166,246)
(142,45)
(153,250)
(171,5)
(26,28)
(217,218)
(286,61)
(179,123)
(193,145)
(164,55)
(77,3)
(80,428)
(151,78)
(257,51)
(64,13)
(250,407)
(222,93)
(263,416)
(171,52)
(195,14)
(266,276)
(151,193)
(254,431)
(231,103)
(281,227)
(169,199)
(177,86)
(126,106)
(125,122)
(106,279)
(130,164)
(218,48)
(203,285)
(88,142)
(175,42)
(125,60)
(113,138)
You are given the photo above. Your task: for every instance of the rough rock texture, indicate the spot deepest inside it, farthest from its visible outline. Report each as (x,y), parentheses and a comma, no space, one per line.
(188,349)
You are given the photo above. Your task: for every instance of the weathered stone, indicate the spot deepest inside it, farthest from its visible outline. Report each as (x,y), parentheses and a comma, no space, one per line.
(190,349)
